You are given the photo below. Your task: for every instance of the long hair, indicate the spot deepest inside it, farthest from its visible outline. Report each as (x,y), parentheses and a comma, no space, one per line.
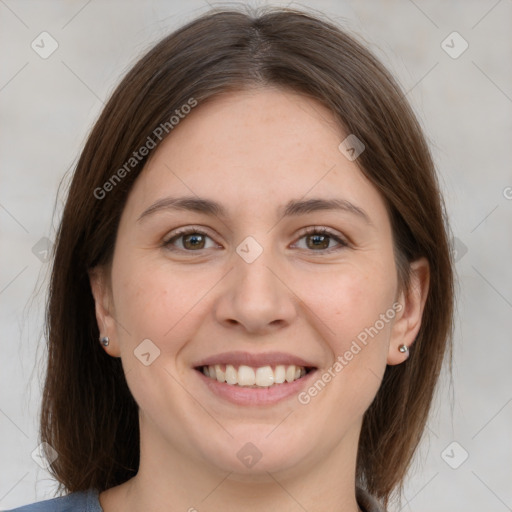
(88,414)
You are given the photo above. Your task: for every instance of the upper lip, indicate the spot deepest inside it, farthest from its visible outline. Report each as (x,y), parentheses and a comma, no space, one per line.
(254,360)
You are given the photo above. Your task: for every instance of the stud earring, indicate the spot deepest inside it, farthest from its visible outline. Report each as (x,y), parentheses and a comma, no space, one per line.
(104,340)
(404,349)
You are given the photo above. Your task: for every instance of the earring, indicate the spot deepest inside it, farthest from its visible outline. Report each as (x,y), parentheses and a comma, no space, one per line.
(104,340)
(404,349)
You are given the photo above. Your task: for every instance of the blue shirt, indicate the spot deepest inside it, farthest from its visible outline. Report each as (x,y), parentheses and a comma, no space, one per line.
(88,501)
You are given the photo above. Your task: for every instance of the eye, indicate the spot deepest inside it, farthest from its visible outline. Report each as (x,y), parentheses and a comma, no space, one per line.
(190,239)
(319,240)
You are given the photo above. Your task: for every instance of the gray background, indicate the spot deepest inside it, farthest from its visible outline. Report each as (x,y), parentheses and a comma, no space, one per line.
(465,105)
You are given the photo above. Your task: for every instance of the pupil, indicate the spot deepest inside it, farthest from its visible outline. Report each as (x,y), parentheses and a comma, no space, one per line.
(320,238)
(195,240)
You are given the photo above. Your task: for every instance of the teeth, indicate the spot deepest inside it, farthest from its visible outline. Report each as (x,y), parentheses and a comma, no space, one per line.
(265,376)
(219,374)
(280,374)
(246,376)
(231,374)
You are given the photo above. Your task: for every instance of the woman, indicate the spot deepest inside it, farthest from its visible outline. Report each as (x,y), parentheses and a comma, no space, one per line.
(252,288)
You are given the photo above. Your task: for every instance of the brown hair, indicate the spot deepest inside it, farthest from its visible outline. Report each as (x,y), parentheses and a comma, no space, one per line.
(88,414)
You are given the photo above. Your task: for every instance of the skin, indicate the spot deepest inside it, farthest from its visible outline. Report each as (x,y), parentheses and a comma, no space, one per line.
(252,151)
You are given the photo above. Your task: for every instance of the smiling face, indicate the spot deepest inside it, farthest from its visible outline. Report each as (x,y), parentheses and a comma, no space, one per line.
(251,242)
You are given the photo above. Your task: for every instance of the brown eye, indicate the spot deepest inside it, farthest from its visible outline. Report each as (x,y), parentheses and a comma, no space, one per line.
(190,240)
(321,240)
(318,241)
(194,241)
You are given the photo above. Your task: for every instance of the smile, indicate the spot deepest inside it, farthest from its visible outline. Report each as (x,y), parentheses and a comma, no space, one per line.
(254,377)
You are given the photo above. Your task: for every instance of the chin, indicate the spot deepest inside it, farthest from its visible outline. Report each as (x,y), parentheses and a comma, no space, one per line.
(255,452)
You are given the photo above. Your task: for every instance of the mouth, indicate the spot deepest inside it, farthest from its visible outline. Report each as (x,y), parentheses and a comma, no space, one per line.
(255,377)
(248,379)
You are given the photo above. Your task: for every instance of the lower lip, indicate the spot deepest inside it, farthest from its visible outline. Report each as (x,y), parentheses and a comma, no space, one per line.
(240,395)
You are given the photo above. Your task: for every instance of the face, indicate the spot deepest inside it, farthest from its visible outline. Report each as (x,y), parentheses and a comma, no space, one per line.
(278,266)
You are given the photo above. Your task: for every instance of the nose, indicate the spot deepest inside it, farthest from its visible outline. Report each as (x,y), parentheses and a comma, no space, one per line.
(255,296)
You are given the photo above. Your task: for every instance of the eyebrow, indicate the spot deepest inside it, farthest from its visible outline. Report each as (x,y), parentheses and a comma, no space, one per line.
(292,208)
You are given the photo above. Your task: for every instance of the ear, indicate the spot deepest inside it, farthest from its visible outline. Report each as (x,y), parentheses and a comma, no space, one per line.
(103,304)
(408,320)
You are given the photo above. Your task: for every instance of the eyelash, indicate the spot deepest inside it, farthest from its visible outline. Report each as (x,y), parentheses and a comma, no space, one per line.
(307,232)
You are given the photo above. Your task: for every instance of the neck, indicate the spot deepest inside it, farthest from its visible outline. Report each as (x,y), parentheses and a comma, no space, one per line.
(169,479)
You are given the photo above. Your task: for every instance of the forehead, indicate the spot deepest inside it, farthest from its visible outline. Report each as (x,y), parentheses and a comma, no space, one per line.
(275,124)
(252,148)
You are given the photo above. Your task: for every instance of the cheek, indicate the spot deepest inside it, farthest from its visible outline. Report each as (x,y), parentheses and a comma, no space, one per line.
(157,304)
(157,301)
(351,305)
(350,300)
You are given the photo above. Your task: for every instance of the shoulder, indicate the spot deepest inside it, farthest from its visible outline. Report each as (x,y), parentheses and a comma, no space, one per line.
(85,501)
